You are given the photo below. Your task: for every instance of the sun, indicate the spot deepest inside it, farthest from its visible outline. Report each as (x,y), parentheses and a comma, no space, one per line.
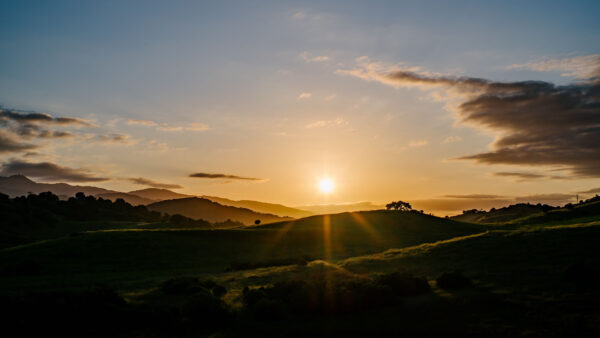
(326,185)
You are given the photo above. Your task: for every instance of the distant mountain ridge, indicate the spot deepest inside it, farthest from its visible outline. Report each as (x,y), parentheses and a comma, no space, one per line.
(19,185)
(196,207)
(156,194)
(263,207)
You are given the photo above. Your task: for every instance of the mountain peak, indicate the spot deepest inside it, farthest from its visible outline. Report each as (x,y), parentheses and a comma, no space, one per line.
(19,178)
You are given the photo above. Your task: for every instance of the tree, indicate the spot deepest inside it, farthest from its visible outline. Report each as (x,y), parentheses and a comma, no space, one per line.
(257,222)
(399,205)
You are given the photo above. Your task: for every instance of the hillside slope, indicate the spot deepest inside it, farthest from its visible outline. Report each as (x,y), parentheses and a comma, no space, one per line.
(202,208)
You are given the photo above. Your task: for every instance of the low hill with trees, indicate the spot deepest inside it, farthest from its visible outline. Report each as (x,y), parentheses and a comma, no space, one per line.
(195,207)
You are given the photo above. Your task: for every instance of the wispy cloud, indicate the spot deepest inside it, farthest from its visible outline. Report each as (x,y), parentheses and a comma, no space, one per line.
(327,123)
(224,176)
(474,196)
(590,191)
(122,139)
(154,184)
(581,67)
(194,126)
(49,171)
(304,96)
(451,139)
(418,143)
(309,58)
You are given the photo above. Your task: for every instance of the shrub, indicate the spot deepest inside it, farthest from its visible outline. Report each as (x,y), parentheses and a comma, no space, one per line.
(453,281)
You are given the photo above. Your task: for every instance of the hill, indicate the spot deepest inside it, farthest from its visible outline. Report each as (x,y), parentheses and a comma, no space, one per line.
(502,215)
(158,194)
(263,207)
(202,208)
(19,185)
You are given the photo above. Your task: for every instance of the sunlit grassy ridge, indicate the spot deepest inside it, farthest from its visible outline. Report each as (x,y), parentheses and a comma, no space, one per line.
(137,255)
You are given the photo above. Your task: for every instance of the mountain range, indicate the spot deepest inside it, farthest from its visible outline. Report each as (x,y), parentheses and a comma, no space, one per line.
(210,208)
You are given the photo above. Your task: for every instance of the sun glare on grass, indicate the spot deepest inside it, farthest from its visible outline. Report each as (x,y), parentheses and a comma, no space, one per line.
(326,185)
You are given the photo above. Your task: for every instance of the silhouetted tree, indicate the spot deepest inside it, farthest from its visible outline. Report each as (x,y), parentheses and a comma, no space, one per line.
(257,222)
(399,205)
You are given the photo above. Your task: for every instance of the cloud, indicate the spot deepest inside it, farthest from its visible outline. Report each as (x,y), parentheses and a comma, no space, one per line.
(8,144)
(304,96)
(41,118)
(417,143)
(112,139)
(474,196)
(451,139)
(547,198)
(327,123)
(308,58)
(590,191)
(519,175)
(153,184)
(224,176)
(49,172)
(581,67)
(537,123)
(146,123)
(194,126)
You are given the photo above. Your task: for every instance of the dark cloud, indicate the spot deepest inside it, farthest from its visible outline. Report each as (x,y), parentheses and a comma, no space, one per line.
(538,123)
(224,176)
(49,172)
(36,117)
(153,184)
(519,175)
(9,145)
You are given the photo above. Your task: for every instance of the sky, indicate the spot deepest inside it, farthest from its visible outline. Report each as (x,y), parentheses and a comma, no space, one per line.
(447,105)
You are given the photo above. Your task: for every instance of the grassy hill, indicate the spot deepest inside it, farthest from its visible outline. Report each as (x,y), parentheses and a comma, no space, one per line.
(202,208)
(134,255)
(531,279)
(501,215)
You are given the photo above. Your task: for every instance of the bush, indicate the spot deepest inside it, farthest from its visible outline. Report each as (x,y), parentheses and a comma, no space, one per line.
(453,281)
(327,291)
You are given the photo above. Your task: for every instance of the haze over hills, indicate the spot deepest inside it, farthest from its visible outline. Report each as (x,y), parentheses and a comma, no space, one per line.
(268,208)
(342,207)
(195,207)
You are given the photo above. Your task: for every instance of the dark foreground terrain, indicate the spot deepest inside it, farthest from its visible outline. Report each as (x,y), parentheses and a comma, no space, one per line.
(376,273)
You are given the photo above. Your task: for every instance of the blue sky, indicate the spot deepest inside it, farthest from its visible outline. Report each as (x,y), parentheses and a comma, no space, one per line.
(240,69)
